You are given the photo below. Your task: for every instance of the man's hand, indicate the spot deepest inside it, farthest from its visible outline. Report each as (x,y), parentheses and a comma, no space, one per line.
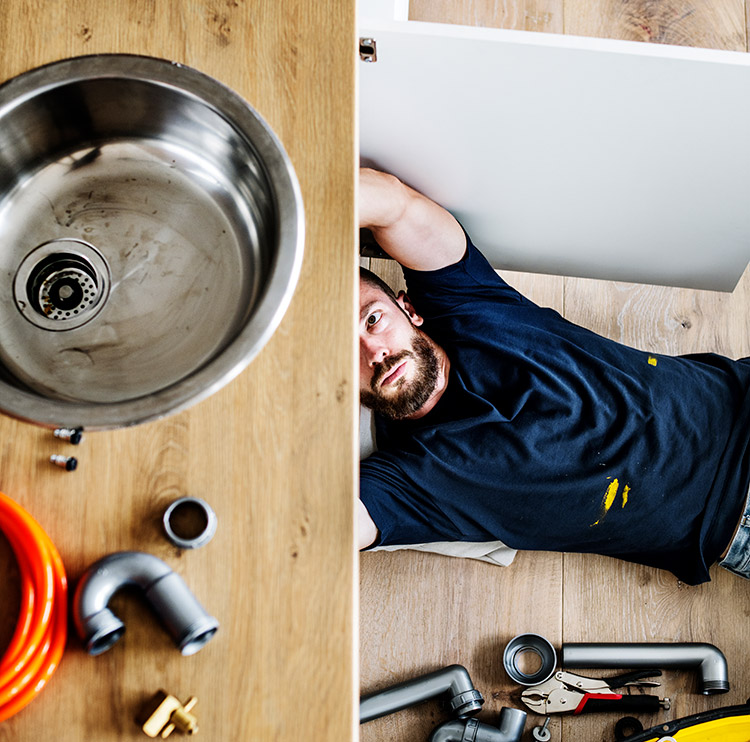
(410,227)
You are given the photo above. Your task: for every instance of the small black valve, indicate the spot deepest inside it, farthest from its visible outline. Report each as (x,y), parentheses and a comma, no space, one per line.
(69,463)
(71,435)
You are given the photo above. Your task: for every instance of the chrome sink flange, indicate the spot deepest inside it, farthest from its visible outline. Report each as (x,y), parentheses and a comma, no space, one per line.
(62,284)
(151,237)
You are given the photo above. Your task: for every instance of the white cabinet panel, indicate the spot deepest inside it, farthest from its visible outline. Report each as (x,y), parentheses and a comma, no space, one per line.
(569,155)
(386,10)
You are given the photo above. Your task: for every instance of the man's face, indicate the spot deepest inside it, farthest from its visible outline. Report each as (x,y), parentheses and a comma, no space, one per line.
(399,368)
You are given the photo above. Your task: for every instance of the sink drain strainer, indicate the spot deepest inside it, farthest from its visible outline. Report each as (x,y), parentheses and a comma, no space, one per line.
(61,284)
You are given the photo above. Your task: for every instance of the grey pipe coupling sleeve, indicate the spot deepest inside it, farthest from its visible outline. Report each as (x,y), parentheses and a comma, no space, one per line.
(706,658)
(524,644)
(207,530)
(453,682)
(181,613)
(509,729)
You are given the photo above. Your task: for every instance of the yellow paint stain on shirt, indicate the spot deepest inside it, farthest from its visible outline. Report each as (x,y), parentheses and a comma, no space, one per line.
(611,494)
(609,499)
(652,361)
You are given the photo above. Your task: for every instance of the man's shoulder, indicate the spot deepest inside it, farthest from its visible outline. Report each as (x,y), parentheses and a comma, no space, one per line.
(450,287)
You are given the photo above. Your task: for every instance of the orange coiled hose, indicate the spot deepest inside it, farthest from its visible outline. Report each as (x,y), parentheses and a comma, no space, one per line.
(38,642)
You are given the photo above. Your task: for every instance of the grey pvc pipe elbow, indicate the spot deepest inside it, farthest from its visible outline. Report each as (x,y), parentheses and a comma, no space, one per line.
(452,681)
(706,658)
(509,729)
(181,613)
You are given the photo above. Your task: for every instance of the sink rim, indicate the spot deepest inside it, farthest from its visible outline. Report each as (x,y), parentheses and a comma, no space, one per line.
(271,306)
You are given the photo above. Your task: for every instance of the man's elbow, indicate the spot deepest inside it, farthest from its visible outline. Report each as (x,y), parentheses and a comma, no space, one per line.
(383,199)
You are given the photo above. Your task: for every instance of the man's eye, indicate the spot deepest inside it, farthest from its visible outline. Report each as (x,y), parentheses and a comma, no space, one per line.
(373,318)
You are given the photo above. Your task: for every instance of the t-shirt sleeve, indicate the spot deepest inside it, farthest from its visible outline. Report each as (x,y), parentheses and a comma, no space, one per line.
(471,279)
(401,513)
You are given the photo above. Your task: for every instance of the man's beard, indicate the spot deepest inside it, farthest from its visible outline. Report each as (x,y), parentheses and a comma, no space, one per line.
(413,393)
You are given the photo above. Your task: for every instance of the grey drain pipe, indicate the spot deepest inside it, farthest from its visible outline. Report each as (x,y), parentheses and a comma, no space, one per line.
(182,615)
(706,658)
(453,682)
(509,729)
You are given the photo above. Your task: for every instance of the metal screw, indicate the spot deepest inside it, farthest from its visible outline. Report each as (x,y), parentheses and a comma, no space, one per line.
(69,463)
(72,435)
(368,50)
(541,734)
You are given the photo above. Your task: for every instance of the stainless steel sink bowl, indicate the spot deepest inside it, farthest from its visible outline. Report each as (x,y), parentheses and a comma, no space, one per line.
(151,236)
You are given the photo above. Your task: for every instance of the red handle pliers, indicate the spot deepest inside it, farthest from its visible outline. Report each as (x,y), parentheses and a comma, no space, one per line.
(566,692)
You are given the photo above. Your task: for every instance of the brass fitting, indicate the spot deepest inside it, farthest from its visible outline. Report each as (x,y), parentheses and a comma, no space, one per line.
(164,714)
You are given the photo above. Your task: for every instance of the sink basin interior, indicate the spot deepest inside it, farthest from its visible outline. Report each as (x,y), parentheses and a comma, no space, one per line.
(140,230)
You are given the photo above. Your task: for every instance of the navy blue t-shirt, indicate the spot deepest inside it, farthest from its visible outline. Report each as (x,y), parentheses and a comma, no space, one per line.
(550,437)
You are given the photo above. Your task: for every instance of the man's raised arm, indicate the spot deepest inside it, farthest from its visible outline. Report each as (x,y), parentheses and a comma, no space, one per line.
(410,227)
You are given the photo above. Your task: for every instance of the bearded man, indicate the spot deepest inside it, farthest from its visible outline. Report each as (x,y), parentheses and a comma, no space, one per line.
(499,419)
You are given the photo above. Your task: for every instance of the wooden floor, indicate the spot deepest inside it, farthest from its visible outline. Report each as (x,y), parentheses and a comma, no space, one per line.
(420,612)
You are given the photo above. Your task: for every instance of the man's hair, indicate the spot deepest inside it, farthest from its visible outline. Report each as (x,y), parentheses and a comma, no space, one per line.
(377,282)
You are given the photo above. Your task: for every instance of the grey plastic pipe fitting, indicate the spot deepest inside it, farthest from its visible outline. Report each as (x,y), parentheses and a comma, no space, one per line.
(181,613)
(509,729)
(453,682)
(207,527)
(706,658)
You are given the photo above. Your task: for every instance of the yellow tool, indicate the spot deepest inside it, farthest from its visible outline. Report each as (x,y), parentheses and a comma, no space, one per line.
(164,714)
(729,724)
(732,729)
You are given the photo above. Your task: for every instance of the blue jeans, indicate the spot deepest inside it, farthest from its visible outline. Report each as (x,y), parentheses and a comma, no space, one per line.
(737,559)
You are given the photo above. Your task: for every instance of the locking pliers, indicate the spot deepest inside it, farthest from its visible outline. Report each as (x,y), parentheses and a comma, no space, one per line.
(566,692)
